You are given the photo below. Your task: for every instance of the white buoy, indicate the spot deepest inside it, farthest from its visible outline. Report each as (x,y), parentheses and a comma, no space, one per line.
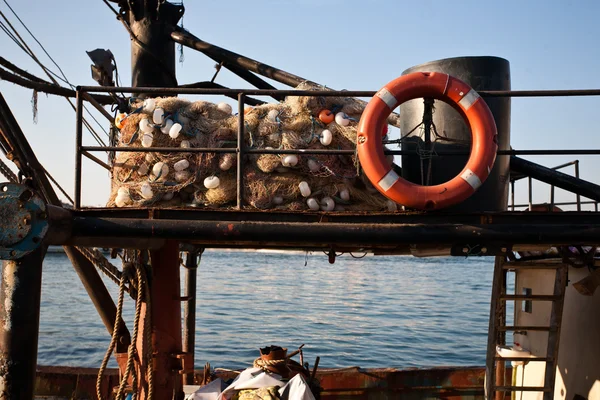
(304,189)
(168,196)
(158,116)
(212,182)
(146,191)
(326,137)
(272,115)
(342,119)
(145,126)
(277,200)
(391,206)
(175,130)
(181,165)
(148,106)
(160,170)
(289,161)
(167,127)
(345,194)
(224,107)
(147,140)
(123,197)
(226,162)
(327,204)
(185,144)
(182,176)
(313,166)
(122,200)
(313,204)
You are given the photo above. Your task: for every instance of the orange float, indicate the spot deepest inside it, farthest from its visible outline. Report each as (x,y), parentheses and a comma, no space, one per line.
(120,120)
(441,87)
(326,117)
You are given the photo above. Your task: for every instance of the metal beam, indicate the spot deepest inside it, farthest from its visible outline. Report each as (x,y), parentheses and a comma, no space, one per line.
(364,235)
(229,58)
(556,178)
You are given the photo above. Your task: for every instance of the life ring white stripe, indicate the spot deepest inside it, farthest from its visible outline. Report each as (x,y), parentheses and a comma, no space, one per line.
(388,180)
(470,98)
(387,98)
(472,179)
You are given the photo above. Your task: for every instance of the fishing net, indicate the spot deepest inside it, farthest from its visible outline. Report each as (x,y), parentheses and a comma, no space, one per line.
(271,181)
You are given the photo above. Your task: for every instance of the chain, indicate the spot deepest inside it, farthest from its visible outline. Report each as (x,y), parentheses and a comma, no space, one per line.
(100,262)
(4,170)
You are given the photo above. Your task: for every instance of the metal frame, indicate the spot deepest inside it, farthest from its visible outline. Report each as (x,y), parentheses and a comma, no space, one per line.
(83,93)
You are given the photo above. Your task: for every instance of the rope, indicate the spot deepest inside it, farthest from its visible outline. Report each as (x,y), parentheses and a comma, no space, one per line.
(124,277)
(131,353)
(263,364)
(100,262)
(8,174)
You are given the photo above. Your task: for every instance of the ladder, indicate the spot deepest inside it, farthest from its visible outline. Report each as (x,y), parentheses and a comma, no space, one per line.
(495,365)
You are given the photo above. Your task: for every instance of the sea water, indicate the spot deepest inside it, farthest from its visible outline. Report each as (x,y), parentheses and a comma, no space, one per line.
(376,311)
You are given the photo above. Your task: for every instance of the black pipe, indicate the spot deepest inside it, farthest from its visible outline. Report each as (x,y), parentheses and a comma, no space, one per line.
(20,323)
(189,307)
(305,233)
(556,178)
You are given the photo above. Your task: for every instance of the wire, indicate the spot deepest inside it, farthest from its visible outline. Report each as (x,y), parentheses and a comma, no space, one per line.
(23,45)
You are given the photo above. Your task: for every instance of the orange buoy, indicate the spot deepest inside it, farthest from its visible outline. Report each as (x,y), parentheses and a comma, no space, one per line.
(441,87)
(326,117)
(120,120)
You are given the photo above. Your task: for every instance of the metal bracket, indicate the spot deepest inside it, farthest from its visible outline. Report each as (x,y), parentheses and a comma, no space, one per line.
(23,221)
(480,250)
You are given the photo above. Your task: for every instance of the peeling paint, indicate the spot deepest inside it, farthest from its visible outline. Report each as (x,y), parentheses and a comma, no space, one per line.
(11,283)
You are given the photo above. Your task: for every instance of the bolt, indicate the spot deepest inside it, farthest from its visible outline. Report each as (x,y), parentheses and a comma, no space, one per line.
(465,250)
(27,221)
(504,249)
(484,250)
(362,139)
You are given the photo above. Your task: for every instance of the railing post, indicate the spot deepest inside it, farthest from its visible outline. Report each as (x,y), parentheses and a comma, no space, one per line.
(577,176)
(529,184)
(240,152)
(78,144)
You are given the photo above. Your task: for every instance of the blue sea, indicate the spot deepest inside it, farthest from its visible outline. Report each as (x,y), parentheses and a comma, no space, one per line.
(376,311)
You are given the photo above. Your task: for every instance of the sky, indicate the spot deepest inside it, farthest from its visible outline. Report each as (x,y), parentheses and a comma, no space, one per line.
(355,45)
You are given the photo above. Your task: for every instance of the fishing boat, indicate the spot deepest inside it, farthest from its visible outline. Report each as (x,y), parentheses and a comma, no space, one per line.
(453,195)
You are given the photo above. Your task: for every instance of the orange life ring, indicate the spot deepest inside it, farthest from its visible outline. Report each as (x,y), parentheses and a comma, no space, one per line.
(460,96)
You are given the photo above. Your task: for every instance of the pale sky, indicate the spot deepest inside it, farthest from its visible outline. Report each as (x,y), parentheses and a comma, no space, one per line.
(359,45)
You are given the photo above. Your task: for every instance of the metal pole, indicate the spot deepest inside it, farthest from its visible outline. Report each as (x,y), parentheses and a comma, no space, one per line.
(189,308)
(530,193)
(19,330)
(240,152)
(512,195)
(78,144)
(577,176)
